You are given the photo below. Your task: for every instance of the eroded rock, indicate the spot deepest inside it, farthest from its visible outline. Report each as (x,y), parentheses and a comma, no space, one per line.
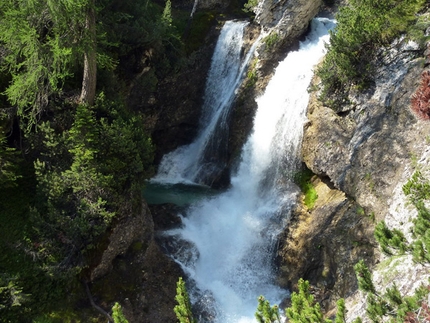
(322,245)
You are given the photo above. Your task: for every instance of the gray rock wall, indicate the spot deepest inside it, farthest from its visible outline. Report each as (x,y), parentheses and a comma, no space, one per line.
(368,151)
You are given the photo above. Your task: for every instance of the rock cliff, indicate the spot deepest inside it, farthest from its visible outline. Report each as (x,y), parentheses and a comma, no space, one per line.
(365,153)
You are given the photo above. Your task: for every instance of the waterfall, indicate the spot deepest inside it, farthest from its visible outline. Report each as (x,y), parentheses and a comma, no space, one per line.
(196,2)
(206,157)
(232,237)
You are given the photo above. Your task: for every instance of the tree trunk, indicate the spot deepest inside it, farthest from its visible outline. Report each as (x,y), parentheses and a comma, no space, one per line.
(89,81)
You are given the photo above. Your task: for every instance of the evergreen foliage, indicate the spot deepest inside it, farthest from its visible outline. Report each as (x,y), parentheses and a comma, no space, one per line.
(117,314)
(363,27)
(389,304)
(303,307)
(390,239)
(364,277)
(8,167)
(376,308)
(78,172)
(250,5)
(39,38)
(183,309)
(417,189)
(341,311)
(70,171)
(266,313)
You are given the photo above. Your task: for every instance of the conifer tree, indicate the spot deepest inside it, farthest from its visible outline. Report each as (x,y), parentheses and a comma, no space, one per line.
(303,307)
(364,277)
(183,309)
(117,314)
(390,239)
(341,311)
(266,313)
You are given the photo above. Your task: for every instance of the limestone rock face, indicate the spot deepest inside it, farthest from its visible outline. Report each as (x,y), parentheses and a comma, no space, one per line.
(322,245)
(290,18)
(365,148)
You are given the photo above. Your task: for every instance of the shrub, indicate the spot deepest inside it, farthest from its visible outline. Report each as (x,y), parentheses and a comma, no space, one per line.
(420,102)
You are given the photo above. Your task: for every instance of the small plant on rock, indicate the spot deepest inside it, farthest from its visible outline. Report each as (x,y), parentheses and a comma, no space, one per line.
(420,102)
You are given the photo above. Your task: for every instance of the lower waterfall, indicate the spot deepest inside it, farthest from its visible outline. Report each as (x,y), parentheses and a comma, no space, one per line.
(232,236)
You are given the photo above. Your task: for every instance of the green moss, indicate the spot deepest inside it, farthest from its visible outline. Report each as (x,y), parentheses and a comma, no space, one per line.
(304,180)
(137,246)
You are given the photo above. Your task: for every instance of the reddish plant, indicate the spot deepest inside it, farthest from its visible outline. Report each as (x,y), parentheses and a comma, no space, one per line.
(420,101)
(421,315)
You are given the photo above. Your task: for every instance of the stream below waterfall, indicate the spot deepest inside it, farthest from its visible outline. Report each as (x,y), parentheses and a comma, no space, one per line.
(228,239)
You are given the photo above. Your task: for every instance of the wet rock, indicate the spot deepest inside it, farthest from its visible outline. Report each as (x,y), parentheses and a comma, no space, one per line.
(165,216)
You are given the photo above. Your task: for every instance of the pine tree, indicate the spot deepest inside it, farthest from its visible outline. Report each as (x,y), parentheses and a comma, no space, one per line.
(341,311)
(393,295)
(390,239)
(376,308)
(303,307)
(117,314)
(364,277)
(8,167)
(183,309)
(265,313)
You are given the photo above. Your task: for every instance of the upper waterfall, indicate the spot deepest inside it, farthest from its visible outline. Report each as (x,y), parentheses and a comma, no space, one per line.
(206,157)
(234,234)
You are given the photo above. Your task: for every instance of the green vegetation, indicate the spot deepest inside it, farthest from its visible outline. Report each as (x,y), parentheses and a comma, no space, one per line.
(250,5)
(251,76)
(266,313)
(183,309)
(303,308)
(392,241)
(363,27)
(117,314)
(271,40)
(73,155)
(390,305)
(304,180)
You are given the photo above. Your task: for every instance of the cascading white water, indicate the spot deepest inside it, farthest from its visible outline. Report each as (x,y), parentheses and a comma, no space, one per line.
(188,164)
(234,233)
(196,2)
